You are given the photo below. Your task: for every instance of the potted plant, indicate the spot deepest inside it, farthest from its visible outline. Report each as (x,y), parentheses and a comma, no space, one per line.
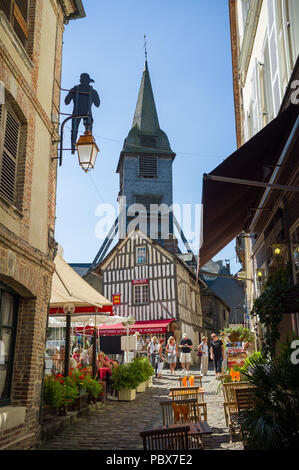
(93,388)
(60,393)
(125,381)
(52,397)
(138,366)
(148,371)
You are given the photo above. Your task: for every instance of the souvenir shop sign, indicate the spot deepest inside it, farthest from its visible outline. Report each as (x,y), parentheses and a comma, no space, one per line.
(139,281)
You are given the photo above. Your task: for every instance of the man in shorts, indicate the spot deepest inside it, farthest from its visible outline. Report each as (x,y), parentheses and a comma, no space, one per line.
(186,347)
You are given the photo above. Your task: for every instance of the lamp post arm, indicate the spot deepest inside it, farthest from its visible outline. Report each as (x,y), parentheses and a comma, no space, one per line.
(62,129)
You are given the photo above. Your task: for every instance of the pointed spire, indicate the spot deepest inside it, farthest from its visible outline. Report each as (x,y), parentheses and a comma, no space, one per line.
(145,113)
(145,134)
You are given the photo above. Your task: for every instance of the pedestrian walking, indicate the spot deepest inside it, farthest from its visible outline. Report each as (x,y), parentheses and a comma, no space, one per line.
(217,353)
(203,348)
(153,351)
(186,347)
(140,346)
(160,358)
(172,353)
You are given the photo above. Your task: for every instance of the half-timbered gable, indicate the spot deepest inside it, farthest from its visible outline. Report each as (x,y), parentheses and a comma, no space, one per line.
(144,275)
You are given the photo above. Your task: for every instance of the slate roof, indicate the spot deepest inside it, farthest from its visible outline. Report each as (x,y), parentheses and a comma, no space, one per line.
(80,268)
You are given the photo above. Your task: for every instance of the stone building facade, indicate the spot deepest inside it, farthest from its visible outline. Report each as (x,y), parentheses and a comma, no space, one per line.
(265,63)
(31,33)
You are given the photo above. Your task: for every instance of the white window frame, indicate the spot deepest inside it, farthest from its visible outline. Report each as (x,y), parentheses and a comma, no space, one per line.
(141,294)
(141,256)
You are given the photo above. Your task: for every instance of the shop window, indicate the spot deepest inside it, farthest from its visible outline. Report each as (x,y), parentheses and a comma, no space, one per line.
(141,257)
(8,320)
(17,13)
(12,150)
(141,294)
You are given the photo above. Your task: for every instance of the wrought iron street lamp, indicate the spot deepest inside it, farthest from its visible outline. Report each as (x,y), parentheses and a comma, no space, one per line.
(86,145)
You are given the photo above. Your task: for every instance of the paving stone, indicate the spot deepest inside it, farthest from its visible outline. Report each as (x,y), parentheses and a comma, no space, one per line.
(116,425)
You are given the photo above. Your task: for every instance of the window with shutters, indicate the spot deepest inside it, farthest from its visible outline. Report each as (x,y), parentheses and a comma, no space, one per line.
(10,132)
(17,13)
(148,166)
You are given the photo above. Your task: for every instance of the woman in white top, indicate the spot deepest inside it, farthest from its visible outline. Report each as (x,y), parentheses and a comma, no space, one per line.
(172,352)
(204,349)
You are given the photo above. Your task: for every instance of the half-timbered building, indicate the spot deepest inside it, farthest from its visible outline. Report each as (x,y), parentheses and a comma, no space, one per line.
(152,284)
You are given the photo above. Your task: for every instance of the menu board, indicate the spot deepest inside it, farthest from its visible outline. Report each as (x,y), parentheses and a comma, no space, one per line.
(236,356)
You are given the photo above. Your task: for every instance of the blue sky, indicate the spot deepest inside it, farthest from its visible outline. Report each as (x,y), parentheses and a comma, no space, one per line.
(189,61)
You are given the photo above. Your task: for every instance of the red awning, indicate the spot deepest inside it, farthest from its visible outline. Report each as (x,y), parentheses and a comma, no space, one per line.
(82,310)
(143,327)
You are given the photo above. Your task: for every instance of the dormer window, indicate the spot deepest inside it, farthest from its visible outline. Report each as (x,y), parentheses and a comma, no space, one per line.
(148,166)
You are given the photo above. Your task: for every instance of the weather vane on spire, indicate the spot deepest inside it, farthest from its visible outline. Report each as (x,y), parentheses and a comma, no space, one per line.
(145,50)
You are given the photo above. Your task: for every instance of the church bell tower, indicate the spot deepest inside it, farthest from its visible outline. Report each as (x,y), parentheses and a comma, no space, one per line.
(145,169)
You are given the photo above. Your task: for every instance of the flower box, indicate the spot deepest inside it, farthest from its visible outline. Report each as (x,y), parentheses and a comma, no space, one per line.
(141,387)
(127,394)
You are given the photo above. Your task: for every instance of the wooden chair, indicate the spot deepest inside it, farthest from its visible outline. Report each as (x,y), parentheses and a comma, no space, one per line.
(183,393)
(197,379)
(230,404)
(184,411)
(169,415)
(166,439)
(245,401)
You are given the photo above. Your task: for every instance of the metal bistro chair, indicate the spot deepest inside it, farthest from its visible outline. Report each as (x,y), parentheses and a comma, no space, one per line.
(230,404)
(166,439)
(183,393)
(197,380)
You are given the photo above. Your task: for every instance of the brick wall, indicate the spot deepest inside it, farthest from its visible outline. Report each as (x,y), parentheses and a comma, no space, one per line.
(27,270)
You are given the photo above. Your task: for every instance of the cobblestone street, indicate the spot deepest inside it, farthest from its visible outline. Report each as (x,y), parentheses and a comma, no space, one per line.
(116,425)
